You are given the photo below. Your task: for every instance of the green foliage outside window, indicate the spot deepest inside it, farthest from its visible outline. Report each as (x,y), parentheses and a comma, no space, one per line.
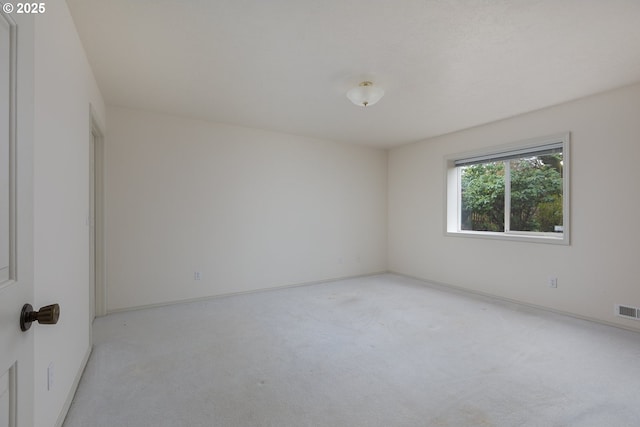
(536,195)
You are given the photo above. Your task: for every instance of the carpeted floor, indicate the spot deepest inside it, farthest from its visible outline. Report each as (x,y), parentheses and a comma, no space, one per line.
(376,351)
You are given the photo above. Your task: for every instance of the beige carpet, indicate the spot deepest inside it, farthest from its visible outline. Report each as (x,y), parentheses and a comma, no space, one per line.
(375,351)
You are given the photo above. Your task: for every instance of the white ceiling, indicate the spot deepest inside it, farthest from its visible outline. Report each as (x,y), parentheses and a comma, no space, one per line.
(285,65)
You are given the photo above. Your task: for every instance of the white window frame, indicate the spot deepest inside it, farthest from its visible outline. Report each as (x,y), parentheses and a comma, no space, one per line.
(453,202)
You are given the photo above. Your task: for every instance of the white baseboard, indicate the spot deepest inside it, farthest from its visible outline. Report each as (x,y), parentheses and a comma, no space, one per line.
(251,291)
(454,288)
(74,388)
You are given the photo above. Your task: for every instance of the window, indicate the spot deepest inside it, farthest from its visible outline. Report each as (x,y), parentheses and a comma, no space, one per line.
(518,192)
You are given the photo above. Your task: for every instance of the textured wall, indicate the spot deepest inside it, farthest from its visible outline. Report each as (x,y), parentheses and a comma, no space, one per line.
(249,209)
(64,89)
(599,268)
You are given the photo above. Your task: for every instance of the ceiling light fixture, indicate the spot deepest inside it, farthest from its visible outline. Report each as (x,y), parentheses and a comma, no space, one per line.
(365,94)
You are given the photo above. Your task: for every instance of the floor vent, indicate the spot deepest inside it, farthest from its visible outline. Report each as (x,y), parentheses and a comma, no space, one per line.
(628,312)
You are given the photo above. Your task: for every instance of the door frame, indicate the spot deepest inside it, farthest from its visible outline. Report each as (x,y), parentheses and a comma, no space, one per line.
(98,293)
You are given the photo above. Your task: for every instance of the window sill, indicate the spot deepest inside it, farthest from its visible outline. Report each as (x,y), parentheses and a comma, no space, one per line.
(549,238)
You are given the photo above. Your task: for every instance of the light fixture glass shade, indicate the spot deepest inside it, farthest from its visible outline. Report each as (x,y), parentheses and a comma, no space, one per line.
(365,94)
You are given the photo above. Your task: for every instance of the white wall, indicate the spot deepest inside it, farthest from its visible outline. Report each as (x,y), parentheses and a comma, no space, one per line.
(249,209)
(599,268)
(64,88)
(253,209)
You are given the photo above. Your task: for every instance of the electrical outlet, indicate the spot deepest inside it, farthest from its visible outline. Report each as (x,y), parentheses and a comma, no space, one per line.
(553,282)
(197,275)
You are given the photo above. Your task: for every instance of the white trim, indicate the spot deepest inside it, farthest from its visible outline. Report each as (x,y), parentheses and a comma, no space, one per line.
(550,238)
(250,291)
(471,292)
(74,388)
(100,296)
(507,197)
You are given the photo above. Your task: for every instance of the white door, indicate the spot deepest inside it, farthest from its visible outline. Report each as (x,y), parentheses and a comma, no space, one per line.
(16,216)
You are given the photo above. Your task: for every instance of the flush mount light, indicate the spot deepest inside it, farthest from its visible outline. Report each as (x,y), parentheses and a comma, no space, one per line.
(365,94)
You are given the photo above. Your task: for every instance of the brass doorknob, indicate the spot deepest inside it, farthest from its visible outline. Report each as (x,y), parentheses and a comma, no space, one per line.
(47,315)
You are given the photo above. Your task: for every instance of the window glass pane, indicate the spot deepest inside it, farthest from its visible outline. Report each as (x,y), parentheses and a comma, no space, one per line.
(536,193)
(482,194)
